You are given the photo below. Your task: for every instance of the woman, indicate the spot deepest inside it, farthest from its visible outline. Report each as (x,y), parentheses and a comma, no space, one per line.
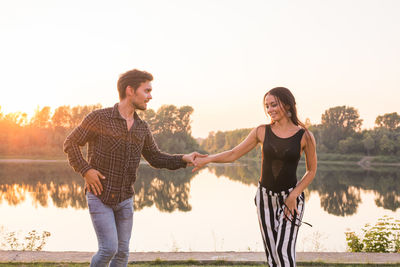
(279,198)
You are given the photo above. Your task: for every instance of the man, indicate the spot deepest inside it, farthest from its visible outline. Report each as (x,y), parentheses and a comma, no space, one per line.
(117,138)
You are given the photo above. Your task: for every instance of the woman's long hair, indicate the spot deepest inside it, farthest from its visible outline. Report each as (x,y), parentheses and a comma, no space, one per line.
(286,98)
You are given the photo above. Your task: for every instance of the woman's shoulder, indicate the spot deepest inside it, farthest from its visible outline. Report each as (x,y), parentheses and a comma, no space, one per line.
(260,132)
(262,128)
(306,130)
(307,136)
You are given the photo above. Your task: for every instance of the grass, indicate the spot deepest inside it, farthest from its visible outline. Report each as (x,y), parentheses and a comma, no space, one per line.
(192,263)
(386,159)
(339,157)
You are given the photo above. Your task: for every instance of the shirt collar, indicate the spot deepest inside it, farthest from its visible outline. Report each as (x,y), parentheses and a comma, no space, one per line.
(116,115)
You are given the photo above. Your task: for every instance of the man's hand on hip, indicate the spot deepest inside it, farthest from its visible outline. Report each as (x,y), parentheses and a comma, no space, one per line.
(92,178)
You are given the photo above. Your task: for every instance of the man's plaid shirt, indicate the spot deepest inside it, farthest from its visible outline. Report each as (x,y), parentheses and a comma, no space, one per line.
(115,152)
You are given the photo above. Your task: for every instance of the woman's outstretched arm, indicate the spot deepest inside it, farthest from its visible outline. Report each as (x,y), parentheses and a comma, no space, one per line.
(244,147)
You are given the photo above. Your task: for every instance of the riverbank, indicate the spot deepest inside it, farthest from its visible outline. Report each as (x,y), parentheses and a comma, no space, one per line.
(201,258)
(323,158)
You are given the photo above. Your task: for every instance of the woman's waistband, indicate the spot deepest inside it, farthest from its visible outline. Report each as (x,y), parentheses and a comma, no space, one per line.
(273,193)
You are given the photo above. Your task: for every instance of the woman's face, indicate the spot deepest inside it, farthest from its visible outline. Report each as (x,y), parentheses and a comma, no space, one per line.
(274,109)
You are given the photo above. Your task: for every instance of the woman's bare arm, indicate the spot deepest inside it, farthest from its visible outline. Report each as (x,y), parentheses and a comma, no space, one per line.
(243,148)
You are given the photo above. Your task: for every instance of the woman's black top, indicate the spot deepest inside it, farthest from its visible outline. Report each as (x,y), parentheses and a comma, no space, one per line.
(280,157)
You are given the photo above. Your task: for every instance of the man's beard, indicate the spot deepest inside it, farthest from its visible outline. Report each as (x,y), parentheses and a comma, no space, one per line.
(138,107)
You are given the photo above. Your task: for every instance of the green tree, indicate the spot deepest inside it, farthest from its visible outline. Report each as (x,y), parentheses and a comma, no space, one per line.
(389,120)
(169,119)
(184,122)
(397,145)
(345,145)
(149,115)
(352,144)
(208,143)
(368,142)
(219,141)
(165,120)
(386,145)
(337,124)
(171,128)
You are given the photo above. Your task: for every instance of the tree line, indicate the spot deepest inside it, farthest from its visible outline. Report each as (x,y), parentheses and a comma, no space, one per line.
(339,132)
(45,132)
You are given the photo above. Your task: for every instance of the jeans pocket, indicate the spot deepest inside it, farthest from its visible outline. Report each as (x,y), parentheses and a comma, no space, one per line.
(90,196)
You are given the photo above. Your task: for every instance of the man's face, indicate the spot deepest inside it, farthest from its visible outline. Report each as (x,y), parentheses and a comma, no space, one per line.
(141,96)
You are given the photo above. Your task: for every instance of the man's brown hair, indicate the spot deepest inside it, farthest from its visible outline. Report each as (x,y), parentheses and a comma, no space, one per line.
(132,78)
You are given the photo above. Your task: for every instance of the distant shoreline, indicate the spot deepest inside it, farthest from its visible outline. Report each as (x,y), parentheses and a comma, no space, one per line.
(365,163)
(17,160)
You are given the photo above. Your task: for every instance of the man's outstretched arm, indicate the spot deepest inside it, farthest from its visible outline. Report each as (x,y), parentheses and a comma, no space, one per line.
(159,159)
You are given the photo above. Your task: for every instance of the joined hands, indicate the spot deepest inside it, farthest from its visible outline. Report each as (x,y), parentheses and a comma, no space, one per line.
(196,159)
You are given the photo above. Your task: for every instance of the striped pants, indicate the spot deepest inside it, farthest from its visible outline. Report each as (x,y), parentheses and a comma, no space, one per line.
(279,235)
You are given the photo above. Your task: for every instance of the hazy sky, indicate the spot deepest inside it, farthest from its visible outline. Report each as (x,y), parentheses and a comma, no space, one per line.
(219,57)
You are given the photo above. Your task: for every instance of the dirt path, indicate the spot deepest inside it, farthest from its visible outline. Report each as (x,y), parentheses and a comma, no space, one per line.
(365,162)
(205,257)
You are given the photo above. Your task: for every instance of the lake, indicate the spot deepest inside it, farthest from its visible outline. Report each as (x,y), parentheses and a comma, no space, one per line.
(212,210)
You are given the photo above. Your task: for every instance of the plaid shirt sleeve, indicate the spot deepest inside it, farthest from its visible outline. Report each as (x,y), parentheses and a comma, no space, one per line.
(159,159)
(79,137)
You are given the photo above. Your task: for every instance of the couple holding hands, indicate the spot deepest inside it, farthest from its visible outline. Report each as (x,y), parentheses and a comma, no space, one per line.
(117,138)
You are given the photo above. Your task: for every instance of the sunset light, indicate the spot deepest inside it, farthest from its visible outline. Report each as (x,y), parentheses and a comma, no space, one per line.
(155,131)
(219,57)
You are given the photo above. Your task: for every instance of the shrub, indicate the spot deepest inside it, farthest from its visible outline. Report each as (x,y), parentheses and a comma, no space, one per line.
(384,236)
(32,241)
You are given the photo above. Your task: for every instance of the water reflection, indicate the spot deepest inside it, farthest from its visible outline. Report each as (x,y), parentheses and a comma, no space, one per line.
(167,190)
(247,172)
(339,186)
(43,181)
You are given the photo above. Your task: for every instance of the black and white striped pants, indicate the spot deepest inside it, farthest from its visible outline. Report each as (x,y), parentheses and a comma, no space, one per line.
(279,234)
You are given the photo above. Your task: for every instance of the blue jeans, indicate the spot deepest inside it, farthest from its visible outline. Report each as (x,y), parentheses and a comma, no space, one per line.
(113,227)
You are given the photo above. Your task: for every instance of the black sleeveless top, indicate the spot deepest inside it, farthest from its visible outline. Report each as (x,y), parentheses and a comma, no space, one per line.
(280,157)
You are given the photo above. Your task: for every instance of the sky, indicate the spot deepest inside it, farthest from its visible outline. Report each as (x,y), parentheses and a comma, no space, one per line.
(220,57)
